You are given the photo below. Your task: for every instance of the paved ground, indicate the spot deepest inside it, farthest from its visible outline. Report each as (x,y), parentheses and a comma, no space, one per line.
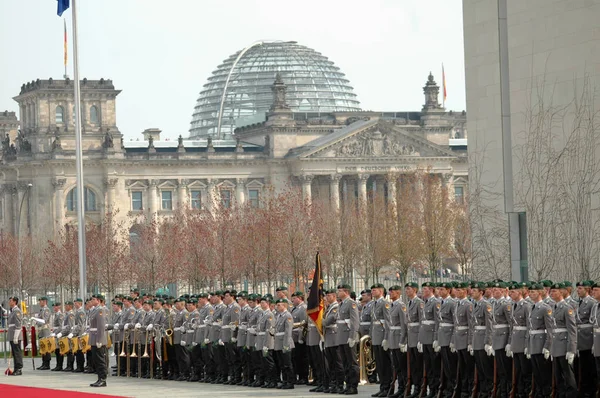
(120,386)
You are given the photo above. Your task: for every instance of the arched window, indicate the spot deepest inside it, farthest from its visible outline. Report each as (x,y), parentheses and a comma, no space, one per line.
(90,200)
(94,115)
(60,114)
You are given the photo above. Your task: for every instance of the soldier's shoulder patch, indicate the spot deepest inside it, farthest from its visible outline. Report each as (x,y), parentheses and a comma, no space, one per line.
(353,305)
(100,313)
(489,308)
(132,311)
(570,311)
(403,308)
(438,306)
(270,318)
(236,311)
(290,319)
(422,305)
(470,308)
(334,310)
(508,308)
(549,311)
(387,305)
(212,311)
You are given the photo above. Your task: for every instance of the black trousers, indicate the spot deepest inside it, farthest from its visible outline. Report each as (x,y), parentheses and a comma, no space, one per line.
(350,362)
(485,371)
(542,375)
(431,362)
(268,366)
(183,360)
(197,360)
(416,367)
(220,360)
(449,362)
(335,368)
(503,373)
(586,373)
(523,373)
(466,366)
(385,370)
(317,363)
(59,358)
(244,355)
(300,360)
(17,355)
(80,359)
(46,358)
(89,358)
(209,363)
(400,367)
(233,361)
(284,359)
(70,360)
(99,355)
(566,386)
(256,365)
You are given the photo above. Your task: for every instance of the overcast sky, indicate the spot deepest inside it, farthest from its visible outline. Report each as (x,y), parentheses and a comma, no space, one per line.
(160,53)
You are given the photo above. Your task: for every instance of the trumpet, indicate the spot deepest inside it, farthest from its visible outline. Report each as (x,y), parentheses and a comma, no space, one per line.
(146,348)
(123,344)
(134,354)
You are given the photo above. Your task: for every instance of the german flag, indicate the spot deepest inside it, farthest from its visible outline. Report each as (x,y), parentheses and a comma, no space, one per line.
(315,298)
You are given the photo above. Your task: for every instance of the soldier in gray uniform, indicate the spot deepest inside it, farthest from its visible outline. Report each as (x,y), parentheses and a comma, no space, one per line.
(181,353)
(595,321)
(228,339)
(429,313)
(255,365)
(300,352)
(397,339)
(284,344)
(334,368)
(518,340)
(203,337)
(265,343)
(585,364)
(463,329)
(199,327)
(546,293)
(568,294)
(98,338)
(117,336)
(242,337)
(44,329)
(347,338)
(415,355)
(315,356)
(365,312)
(481,339)
(127,326)
(564,344)
(68,324)
(218,350)
(15,323)
(57,324)
(380,318)
(146,333)
(78,330)
(443,337)
(501,315)
(540,336)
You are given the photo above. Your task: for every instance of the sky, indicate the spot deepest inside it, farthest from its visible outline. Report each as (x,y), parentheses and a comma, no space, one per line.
(160,53)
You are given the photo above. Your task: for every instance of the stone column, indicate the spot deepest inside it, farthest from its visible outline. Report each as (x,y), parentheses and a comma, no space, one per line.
(9,198)
(362,188)
(240,191)
(59,203)
(182,194)
(391,192)
(334,191)
(110,185)
(211,193)
(153,197)
(306,180)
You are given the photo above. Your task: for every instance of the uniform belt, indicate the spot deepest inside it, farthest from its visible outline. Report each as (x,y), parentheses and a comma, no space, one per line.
(93,329)
(560,330)
(190,331)
(519,327)
(243,327)
(585,326)
(227,326)
(501,326)
(202,326)
(446,324)
(12,325)
(537,332)
(596,330)
(412,324)
(261,333)
(279,333)
(428,322)
(340,321)
(310,325)
(480,328)
(462,328)
(395,327)
(365,323)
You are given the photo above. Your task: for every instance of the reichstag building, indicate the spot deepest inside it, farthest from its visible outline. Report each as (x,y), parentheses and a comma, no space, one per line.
(271,115)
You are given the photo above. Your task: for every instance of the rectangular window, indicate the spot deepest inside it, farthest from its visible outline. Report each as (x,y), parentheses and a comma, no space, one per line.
(136,201)
(167,200)
(226,198)
(196,200)
(253,198)
(458,194)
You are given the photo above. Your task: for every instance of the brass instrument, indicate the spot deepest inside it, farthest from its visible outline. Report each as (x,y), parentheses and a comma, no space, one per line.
(123,344)
(134,354)
(366,360)
(169,331)
(145,355)
(108,341)
(64,346)
(304,330)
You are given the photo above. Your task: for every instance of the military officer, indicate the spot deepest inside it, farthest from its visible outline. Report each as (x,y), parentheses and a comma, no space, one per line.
(564,344)
(284,344)
(195,340)
(397,339)
(443,337)
(68,325)
(521,310)
(347,337)
(299,353)
(546,293)
(146,328)
(218,350)
(57,325)
(481,339)
(429,313)
(540,337)
(44,329)
(567,294)
(315,356)
(255,365)
(415,356)
(282,293)
(365,312)
(117,336)
(228,339)
(380,318)
(98,338)
(586,366)
(203,362)
(265,343)
(463,329)
(127,327)
(78,331)
(501,315)
(15,324)
(242,337)
(179,329)
(334,379)
(160,317)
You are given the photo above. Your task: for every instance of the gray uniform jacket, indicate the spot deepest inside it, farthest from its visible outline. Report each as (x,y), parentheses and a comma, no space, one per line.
(242,335)
(283,331)
(585,332)
(445,322)
(98,326)
(380,317)
(203,314)
(596,323)
(15,323)
(330,325)
(413,313)
(572,302)
(540,328)
(347,321)
(313,337)
(117,336)
(44,330)
(160,318)
(216,320)
(365,318)
(429,309)
(79,322)
(231,318)
(68,322)
(263,333)
(191,325)
(255,315)
(501,315)
(148,320)
(564,334)
(463,324)
(398,329)
(178,324)
(127,319)
(519,330)
(482,325)
(57,323)
(299,315)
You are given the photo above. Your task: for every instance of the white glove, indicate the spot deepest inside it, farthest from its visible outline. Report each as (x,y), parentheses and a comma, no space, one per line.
(99,345)
(435,345)
(470,349)
(403,348)
(194,326)
(194,343)
(488,350)
(452,347)
(265,349)
(183,342)
(419,347)
(221,342)
(509,352)
(138,325)
(150,327)
(52,335)
(300,341)
(525,351)
(234,340)
(70,336)
(384,344)
(286,349)
(206,341)
(126,326)
(437,349)
(116,326)
(351,342)
(182,330)
(59,335)
(570,357)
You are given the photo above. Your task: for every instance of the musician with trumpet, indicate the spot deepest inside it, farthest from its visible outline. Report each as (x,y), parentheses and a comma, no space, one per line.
(146,328)
(397,339)
(57,324)
(117,336)
(44,329)
(68,325)
(347,338)
(242,336)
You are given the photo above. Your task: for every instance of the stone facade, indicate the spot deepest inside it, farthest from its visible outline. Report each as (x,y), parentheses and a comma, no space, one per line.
(329,155)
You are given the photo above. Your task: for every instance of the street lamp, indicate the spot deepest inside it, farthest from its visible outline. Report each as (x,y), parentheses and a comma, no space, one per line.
(19,251)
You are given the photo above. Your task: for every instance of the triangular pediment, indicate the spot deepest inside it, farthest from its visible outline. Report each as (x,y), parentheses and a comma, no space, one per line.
(376,140)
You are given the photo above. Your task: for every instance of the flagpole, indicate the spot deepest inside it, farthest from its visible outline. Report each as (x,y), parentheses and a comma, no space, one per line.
(79,161)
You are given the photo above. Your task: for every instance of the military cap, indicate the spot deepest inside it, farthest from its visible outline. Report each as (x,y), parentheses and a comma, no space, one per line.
(446,285)
(231,292)
(278,301)
(414,285)
(366,291)
(192,300)
(243,294)
(78,300)
(378,286)
(298,294)
(100,297)
(161,301)
(149,302)
(428,284)
(536,286)
(43,298)
(567,283)
(281,289)
(135,290)
(514,286)
(170,301)
(584,284)
(557,285)
(219,293)
(58,304)
(266,298)
(479,285)
(499,284)
(203,295)
(596,284)
(330,291)
(165,296)
(462,285)
(353,295)
(395,288)
(120,304)
(497,280)
(269,295)
(179,299)
(68,303)
(344,286)
(547,283)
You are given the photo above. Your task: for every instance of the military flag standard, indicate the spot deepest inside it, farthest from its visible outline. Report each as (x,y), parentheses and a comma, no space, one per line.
(63,5)
(315,298)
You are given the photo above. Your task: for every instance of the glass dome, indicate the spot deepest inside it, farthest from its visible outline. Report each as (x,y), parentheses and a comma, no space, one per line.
(314,84)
